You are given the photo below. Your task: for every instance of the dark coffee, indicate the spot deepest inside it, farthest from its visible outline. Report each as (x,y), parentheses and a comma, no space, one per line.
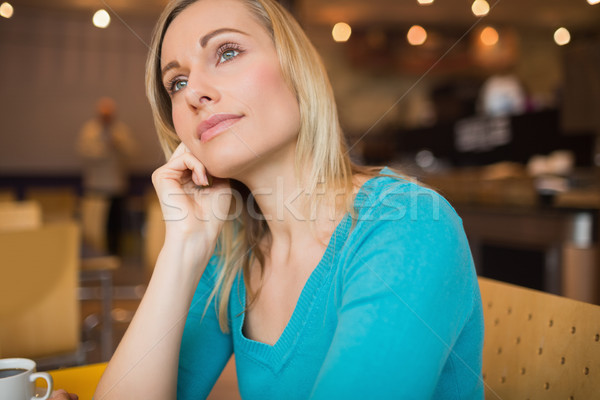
(7,372)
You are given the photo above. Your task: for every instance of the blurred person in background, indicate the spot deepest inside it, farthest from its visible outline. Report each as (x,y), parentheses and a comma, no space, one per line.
(105,144)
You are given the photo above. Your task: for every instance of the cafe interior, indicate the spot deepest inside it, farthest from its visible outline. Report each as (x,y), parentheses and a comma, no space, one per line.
(494,104)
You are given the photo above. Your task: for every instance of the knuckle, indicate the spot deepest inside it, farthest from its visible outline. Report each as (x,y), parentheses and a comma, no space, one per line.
(155,176)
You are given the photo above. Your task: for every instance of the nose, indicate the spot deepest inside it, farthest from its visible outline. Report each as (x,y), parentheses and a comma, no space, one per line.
(200,92)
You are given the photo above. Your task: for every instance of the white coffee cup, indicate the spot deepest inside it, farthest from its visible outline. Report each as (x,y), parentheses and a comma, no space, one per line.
(20,382)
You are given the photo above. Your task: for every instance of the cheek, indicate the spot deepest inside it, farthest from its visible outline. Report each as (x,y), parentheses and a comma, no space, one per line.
(270,90)
(266,76)
(178,121)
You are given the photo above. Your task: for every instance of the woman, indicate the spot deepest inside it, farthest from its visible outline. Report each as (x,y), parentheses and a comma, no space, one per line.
(325,279)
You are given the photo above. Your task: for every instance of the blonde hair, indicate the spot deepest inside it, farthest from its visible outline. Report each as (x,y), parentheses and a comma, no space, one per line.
(320,151)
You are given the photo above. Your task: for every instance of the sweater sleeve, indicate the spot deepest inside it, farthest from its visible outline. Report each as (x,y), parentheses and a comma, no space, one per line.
(205,349)
(406,294)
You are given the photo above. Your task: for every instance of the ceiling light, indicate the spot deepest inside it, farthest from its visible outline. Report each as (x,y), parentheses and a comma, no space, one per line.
(480,8)
(428,2)
(101,19)
(341,32)
(562,36)
(592,2)
(6,10)
(489,36)
(416,35)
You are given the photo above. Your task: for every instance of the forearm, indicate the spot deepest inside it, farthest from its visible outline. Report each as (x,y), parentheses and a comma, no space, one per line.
(145,363)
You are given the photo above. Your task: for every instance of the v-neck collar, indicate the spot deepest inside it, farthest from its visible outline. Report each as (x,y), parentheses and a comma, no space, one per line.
(274,356)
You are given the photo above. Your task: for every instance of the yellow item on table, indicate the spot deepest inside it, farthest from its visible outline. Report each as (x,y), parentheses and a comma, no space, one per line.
(79,380)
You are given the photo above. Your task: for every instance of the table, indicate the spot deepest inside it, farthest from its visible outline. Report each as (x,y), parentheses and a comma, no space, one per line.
(79,380)
(83,381)
(564,235)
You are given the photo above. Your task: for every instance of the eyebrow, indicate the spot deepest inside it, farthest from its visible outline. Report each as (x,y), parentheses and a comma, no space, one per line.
(203,42)
(169,66)
(216,32)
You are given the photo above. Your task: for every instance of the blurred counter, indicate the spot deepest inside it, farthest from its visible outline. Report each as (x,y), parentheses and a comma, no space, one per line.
(518,234)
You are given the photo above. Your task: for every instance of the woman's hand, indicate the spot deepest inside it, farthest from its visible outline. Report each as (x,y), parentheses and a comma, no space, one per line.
(63,395)
(189,204)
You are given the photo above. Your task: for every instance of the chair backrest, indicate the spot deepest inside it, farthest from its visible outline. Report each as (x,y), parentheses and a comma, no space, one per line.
(538,345)
(7,195)
(58,203)
(39,275)
(16,215)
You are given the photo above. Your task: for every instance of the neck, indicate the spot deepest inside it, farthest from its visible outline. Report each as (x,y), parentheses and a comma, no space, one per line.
(284,202)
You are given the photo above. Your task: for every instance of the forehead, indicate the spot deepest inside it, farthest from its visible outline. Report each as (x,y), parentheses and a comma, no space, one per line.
(205,16)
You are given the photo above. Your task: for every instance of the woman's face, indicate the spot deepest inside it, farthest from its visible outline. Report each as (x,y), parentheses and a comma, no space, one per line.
(231,105)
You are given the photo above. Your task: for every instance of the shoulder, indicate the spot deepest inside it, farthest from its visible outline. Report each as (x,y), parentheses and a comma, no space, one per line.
(390,197)
(402,227)
(408,244)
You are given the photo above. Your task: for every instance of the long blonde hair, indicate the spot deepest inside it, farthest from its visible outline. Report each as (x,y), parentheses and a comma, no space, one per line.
(321,150)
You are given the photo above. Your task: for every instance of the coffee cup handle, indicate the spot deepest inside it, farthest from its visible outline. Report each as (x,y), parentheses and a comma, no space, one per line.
(45,376)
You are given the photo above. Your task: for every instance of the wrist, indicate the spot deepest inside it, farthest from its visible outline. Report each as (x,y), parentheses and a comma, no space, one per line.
(191,249)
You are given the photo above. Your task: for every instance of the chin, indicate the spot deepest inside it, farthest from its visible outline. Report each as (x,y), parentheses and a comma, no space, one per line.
(229,164)
(228,156)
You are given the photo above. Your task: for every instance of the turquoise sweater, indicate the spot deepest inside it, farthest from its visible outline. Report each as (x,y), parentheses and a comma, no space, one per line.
(392,311)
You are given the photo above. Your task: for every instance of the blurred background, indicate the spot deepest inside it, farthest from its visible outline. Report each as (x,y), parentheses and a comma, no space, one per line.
(494,104)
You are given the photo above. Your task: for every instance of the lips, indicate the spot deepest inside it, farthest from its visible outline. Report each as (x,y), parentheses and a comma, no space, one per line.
(216,124)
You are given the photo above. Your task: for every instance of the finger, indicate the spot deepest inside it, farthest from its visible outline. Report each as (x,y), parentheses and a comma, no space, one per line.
(60,394)
(187,161)
(182,148)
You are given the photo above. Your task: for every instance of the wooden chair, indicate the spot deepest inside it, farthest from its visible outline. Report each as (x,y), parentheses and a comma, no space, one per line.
(7,195)
(39,311)
(16,215)
(58,203)
(538,345)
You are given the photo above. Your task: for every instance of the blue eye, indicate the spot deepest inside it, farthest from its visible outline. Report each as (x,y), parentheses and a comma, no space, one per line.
(228,51)
(175,85)
(178,85)
(228,55)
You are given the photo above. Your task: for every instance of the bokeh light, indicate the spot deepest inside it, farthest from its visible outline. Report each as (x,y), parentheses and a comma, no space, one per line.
(480,8)
(416,35)
(489,36)
(562,36)
(101,19)
(6,10)
(341,32)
